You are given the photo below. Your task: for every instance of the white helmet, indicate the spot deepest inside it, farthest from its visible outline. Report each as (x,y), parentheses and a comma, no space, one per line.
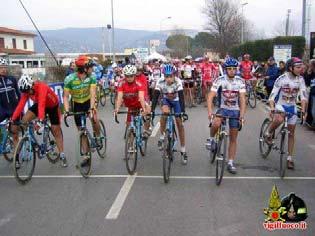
(3,62)
(188,57)
(25,83)
(129,70)
(114,65)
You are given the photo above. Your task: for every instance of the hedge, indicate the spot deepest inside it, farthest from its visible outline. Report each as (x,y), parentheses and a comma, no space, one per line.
(261,50)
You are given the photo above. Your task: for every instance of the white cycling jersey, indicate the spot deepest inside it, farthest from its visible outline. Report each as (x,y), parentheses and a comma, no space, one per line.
(231,89)
(288,87)
(169,91)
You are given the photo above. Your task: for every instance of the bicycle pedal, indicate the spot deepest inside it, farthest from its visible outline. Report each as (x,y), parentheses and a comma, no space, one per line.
(219,158)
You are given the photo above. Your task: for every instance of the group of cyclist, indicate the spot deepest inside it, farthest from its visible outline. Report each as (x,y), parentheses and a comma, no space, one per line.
(141,87)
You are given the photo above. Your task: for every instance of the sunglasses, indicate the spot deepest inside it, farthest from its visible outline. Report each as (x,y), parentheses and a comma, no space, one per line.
(231,68)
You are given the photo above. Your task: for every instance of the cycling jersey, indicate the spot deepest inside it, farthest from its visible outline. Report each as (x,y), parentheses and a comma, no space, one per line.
(207,71)
(187,71)
(9,96)
(246,68)
(287,87)
(98,71)
(131,93)
(43,95)
(169,92)
(231,89)
(143,80)
(156,73)
(79,89)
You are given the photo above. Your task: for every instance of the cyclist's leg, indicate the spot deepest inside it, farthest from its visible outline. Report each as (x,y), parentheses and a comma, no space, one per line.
(95,123)
(81,107)
(147,123)
(234,126)
(216,123)
(291,139)
(54,117)
(277,120)
(165,110)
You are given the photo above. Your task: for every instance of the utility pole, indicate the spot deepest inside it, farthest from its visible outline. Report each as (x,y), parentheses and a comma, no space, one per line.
(304,18)
(113,32)
(287,25)
(242,23)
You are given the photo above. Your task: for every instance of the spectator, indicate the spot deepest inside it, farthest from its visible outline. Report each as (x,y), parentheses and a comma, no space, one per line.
(309,78)
(281,67)
(71,69)
(272,74)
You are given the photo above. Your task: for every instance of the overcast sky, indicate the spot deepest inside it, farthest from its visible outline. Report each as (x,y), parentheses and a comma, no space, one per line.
(140,14)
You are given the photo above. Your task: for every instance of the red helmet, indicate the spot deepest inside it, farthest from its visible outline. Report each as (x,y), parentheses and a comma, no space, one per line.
(84,61)
(246,56)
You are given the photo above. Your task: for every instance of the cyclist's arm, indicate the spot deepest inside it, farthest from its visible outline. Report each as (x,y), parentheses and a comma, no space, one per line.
(274,93)
(211,95)
(66,94)
(181,100)
(156,95)
(20,107)
(119,100)
(242,104)
(93,95)
(141,100)
(303,94)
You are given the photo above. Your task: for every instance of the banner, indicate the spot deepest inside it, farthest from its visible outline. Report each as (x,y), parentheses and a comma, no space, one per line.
(282,52)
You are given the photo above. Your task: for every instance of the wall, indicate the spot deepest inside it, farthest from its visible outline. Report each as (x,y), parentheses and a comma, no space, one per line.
(19,42)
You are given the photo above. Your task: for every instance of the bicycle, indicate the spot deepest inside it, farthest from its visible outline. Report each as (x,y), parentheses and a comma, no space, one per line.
(6,140)
(199,97)
(134,140)
(87,143)
(169,145)
(100,94)
(265,148)
(28,148)
(251,95)
(218,155)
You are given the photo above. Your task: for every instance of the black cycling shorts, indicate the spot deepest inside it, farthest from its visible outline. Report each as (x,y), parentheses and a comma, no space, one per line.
(53,113)
(80,107)
(188,83)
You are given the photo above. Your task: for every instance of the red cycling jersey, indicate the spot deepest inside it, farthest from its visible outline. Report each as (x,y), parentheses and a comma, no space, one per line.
(131,93)
(246,69)
(207,71)
(43,95)
(144,81)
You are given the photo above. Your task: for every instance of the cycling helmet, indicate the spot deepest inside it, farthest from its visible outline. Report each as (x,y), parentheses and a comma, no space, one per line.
(114,65)
(84,61)
(188,57)
(294,61)
(246,56)
(230,62)
(3,62)
(129,70)
(25,83)
(168,69)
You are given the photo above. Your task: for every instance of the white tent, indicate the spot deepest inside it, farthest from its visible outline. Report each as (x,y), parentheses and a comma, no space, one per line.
(156,55)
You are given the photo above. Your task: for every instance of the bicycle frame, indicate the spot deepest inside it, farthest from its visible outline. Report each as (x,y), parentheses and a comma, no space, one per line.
(86,131)
(136,125)
(170,125)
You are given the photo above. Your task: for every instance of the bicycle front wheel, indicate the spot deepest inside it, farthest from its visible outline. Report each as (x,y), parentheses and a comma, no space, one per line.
(167,156)
(220,158)
(85,158)
(24,161)
(52,154)
(101,149)
(264,147)
(283,151)
(252,101)
(131,154)
(103,97)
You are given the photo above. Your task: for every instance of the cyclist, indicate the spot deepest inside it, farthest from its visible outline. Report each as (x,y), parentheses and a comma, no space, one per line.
(188,78)
(246,69)
(140,76)
(82,88)
(46,102)
(286,88)
(132,93)
(155,75)
(232,105)
(207,76)
(171,88)
(9,95)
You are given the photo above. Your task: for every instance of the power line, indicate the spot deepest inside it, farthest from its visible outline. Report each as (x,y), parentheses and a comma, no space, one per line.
(29,16)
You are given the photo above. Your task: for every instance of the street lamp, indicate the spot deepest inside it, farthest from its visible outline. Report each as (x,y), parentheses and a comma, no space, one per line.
(242,23)
(167,18)
(113,32)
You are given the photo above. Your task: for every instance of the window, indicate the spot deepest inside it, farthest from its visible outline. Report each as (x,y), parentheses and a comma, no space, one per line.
(25,44)
(1,42)
(14,43)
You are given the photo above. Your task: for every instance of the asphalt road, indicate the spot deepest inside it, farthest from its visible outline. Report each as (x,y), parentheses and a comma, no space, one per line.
(58,201)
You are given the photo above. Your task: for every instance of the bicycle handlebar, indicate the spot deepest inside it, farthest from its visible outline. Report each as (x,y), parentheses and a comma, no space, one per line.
(227,117)
(67,114)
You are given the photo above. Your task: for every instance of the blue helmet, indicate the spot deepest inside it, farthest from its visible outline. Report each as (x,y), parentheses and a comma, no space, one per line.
(168,69)
(230,62)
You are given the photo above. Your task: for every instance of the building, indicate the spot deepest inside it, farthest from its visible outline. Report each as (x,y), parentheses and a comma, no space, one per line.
(16,42)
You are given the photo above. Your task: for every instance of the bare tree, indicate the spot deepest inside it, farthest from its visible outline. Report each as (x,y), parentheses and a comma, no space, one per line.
(224,22)
(280,27)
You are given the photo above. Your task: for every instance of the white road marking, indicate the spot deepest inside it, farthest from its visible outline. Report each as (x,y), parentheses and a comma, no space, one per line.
(161,177)
(121,198)
(6,219)
(155,129)
(312,146)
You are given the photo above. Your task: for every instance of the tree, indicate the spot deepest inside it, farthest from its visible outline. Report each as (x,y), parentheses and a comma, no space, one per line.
(223,23)
(180,44)
(204,40)
(280,28)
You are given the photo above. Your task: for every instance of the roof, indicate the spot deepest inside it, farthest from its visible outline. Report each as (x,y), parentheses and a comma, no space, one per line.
(15,51)
(4,30)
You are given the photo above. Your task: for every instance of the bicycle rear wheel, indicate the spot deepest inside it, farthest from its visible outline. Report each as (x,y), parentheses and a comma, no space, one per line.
(25,155)
(112,98)
(167,156)
(85,158)
(131,154)
(103,97)
(252,99)
(264,148)
(101,150)
(220,158)
(283,151)
(52,155)
(9,154)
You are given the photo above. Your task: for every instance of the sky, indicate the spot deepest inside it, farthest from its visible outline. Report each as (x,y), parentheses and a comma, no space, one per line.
(141,14)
